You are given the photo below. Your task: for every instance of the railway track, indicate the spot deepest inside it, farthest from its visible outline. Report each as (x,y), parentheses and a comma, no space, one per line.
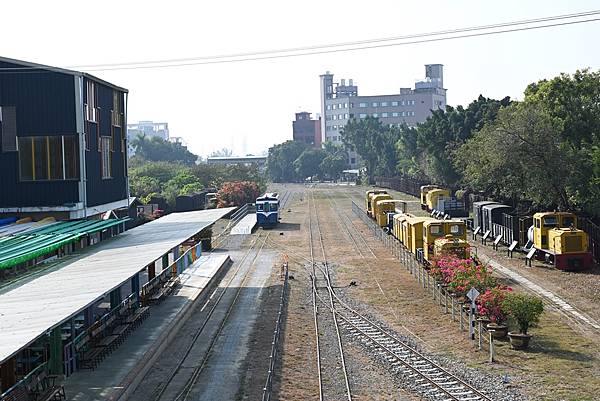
(171,388)
(334,383)
(421,373)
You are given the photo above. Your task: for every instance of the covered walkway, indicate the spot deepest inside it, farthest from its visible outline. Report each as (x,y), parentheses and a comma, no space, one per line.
(42,305)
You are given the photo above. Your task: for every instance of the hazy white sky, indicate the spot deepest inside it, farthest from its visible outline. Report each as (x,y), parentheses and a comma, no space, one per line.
(249,106)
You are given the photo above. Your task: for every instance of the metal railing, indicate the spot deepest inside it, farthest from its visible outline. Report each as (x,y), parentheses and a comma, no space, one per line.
(268,388)
(24,382)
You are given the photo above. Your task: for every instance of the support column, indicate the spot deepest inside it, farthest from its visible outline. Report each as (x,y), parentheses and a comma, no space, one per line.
(175,257)
(55,362)
(115,297)
(165,261)
(135,284)
(7,374)
(151,272)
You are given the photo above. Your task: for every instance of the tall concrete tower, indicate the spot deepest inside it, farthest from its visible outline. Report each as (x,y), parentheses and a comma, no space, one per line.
(435,72)
(326,93)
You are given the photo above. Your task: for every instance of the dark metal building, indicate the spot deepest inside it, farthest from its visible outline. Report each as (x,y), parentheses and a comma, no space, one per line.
(307,130)
(63,150)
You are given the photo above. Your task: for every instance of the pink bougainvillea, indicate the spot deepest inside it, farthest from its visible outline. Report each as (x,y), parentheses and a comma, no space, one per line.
(490,303)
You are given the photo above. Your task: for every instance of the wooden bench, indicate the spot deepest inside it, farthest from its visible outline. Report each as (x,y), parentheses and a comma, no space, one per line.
(89,359)
(46,388)
(138,316)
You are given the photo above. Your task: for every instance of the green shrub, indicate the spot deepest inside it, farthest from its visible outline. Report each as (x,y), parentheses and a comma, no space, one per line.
(524,309)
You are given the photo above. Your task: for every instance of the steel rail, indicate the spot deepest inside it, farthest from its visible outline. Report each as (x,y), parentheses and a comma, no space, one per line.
(314,301)
(330,292)
(187,389)
(162,389)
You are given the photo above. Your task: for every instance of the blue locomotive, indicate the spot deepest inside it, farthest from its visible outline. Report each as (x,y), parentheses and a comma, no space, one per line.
(267,209)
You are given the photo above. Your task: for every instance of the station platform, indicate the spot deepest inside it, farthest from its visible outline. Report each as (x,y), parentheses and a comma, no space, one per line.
(245,225)
(120,372)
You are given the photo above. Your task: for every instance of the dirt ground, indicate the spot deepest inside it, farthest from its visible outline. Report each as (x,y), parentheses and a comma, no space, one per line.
(562,363)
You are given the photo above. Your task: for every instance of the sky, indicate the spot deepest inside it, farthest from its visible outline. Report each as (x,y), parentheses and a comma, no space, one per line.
(249,106)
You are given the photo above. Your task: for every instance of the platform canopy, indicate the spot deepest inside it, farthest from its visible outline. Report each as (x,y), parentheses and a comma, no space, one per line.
(29,310)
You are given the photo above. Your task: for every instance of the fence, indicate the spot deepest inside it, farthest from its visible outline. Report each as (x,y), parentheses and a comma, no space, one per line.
(268,389)
(402,184)
(593,232)
(459,311)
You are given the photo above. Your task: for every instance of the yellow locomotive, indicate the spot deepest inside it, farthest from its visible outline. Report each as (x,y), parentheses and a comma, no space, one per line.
(373,196)
(556,235)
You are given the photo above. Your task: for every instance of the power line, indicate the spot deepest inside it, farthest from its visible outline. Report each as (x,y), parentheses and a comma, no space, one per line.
(346,44)
(459,33)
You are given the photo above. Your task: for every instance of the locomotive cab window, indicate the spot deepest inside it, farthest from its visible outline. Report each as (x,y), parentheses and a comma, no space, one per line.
(259,207)
(435,230)
(550,221)
(568,221)
(273,207)
(456,229)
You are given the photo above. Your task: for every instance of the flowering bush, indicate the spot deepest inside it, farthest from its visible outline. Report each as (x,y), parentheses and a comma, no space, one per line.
(466,274)
(237,193)
(490,303)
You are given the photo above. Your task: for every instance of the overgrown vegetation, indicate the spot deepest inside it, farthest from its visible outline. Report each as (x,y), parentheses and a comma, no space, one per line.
(545,148)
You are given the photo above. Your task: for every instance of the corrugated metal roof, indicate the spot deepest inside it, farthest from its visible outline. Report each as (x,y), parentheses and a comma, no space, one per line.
(30,310)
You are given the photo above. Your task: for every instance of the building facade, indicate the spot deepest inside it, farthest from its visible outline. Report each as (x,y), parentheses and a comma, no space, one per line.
(149,129)
(340,102)
(63,151)
(307,130)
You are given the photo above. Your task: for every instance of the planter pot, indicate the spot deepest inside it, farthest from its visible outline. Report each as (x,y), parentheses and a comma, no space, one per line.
(484,321)
(500,330)
(519,341)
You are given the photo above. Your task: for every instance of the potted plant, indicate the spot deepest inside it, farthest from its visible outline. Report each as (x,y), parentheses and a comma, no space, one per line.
(525,310)
(489,304)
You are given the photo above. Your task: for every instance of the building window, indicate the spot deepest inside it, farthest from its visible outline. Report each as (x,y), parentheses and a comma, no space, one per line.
(362,115)
(328,107)
(333,107)
(412,113)
(403,103)
(117,111)
(345,115)
(362,105)
(375,115)
(351,115)
(335,116)
(352,160)
(374,104)
(340,116)
(340,105)
(8,125)
(345,105)
(394,103)
(43,158)
(412,102)
(384,104)
(351,105)
(106,157)
(384,114)
(91,113)
(403,114)
(395,114)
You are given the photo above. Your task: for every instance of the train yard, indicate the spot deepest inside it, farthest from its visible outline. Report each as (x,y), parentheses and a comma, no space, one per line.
(357,320)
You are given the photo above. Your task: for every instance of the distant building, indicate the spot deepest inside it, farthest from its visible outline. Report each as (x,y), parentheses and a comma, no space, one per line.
(246,160)
(307,130)
(63,151)
(148,128)
(341,102)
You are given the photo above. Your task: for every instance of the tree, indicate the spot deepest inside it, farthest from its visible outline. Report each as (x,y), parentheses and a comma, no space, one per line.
(445,131)
(366,137)
(223,152)
(307,164)
(519,155)
(575,101)
(281,158)
(157,149)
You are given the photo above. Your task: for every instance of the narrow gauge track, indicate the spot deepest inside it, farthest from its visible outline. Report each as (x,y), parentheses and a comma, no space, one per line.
(330,387)
(183,393)
(423,374)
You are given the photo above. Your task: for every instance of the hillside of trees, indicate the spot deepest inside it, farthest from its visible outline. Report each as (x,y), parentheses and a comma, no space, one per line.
(545,148)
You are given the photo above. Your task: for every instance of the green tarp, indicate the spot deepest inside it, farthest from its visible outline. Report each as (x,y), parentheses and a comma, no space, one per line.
(21,248)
